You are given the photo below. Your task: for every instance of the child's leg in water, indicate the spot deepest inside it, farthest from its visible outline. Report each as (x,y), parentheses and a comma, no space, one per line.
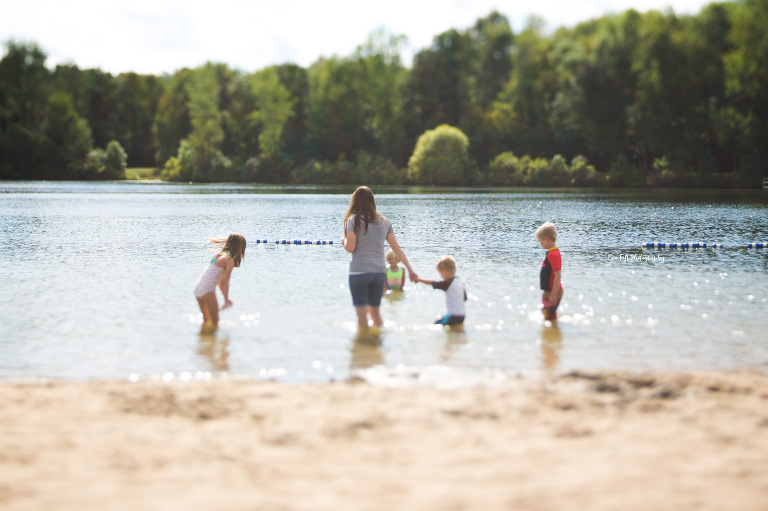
(209,306)
(549,309)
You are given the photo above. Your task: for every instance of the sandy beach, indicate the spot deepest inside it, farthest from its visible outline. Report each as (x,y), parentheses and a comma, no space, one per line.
(596,441)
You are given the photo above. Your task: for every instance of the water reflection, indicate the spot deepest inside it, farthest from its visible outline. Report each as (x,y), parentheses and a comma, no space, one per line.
(394,296)
(215,349)
(455,339)
(366,349)
(551,344)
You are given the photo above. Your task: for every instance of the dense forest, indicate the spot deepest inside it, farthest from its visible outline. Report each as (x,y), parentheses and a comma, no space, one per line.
(635,99)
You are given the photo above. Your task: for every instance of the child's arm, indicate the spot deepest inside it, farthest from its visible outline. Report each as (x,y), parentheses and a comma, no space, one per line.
(402,281)
(224,283)
(423,281)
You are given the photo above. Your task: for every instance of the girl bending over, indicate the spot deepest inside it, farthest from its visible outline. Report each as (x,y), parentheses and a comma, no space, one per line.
(218,272)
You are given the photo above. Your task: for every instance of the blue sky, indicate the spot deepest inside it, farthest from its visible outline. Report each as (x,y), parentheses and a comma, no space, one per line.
(161,36)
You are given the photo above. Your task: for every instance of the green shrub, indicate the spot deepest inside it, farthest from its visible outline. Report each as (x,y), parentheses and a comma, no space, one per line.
(115,161)
(93,167)
(249,172)
(441,157)
(502,168)
(583,174)
(375,170)
(558,171)
(172,170)
(536,172)
(624,174)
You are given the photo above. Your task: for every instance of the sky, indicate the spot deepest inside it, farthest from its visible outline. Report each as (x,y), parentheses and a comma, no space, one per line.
(162,36)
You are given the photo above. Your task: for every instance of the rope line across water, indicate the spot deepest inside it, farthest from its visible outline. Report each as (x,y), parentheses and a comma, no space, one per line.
(651,245)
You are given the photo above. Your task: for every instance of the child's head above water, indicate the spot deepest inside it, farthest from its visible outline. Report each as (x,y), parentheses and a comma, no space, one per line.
(391,257)
(446,265)
(234,245)
(547,229)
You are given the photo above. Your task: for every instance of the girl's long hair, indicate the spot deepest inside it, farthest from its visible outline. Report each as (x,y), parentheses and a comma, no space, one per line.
(234,245)
(363,206)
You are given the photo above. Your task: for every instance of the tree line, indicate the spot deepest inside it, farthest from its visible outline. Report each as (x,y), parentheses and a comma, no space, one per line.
(633,99)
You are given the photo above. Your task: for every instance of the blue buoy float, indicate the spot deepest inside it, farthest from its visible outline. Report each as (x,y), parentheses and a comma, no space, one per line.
(662,245)
(296,242)
(681,245)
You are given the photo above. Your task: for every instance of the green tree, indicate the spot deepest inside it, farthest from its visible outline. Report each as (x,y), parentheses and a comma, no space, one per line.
(494,40)
(203,159)
(67,138)
(380,75)
(172,120)
(493,43)
(296,130)
(597,83)
(137,98)
(652,99)
(274,107)
(439,88)
(441,157)
(679,85)
(95,98)
(519,117)
(241,141)
(115,161)
(24,91)
(746,79)
(336,109)
(711,28)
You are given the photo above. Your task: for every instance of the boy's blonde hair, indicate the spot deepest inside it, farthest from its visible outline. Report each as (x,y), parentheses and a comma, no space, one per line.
(547,229)
(447,263)
(391,257)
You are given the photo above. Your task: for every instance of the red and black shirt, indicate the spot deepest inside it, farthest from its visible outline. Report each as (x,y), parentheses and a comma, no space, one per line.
(549,266)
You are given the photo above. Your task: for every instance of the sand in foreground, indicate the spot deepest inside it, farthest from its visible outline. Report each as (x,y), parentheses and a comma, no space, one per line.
(588,441)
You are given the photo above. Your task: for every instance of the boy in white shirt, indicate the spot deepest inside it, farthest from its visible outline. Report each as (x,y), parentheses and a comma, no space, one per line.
(455,292)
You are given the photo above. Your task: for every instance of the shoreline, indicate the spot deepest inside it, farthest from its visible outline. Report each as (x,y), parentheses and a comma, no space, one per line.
(595,440)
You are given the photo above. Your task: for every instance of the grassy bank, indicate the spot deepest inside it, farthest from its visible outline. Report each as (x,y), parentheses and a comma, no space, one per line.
(136,173)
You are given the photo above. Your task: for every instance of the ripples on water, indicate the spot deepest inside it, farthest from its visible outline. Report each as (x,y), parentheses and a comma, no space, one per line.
(99,277)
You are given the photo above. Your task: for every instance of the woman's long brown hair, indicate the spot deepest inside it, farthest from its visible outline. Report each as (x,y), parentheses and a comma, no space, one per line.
(234,245)
(363,206)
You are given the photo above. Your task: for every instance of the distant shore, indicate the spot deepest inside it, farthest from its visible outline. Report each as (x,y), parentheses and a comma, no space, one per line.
(597,441)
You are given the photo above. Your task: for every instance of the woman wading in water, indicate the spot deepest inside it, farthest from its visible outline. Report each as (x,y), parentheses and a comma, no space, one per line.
(365,231)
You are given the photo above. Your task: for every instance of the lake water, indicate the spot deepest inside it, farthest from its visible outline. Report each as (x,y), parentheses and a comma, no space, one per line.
(98,282)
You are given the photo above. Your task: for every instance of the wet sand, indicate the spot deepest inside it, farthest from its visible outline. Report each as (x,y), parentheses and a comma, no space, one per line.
(586,441)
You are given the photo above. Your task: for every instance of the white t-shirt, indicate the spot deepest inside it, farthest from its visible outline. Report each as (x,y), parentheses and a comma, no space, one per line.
(455,295)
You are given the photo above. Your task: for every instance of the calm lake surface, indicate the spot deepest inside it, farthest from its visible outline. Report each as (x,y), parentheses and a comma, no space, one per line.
(98,281)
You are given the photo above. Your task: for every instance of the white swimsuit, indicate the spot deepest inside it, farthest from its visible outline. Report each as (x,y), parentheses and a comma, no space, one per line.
(208,279)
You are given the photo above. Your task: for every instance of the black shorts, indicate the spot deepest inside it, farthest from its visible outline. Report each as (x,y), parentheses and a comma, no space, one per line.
(449,320)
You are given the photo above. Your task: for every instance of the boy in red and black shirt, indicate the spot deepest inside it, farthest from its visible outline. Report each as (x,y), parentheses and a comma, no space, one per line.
(549,279)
